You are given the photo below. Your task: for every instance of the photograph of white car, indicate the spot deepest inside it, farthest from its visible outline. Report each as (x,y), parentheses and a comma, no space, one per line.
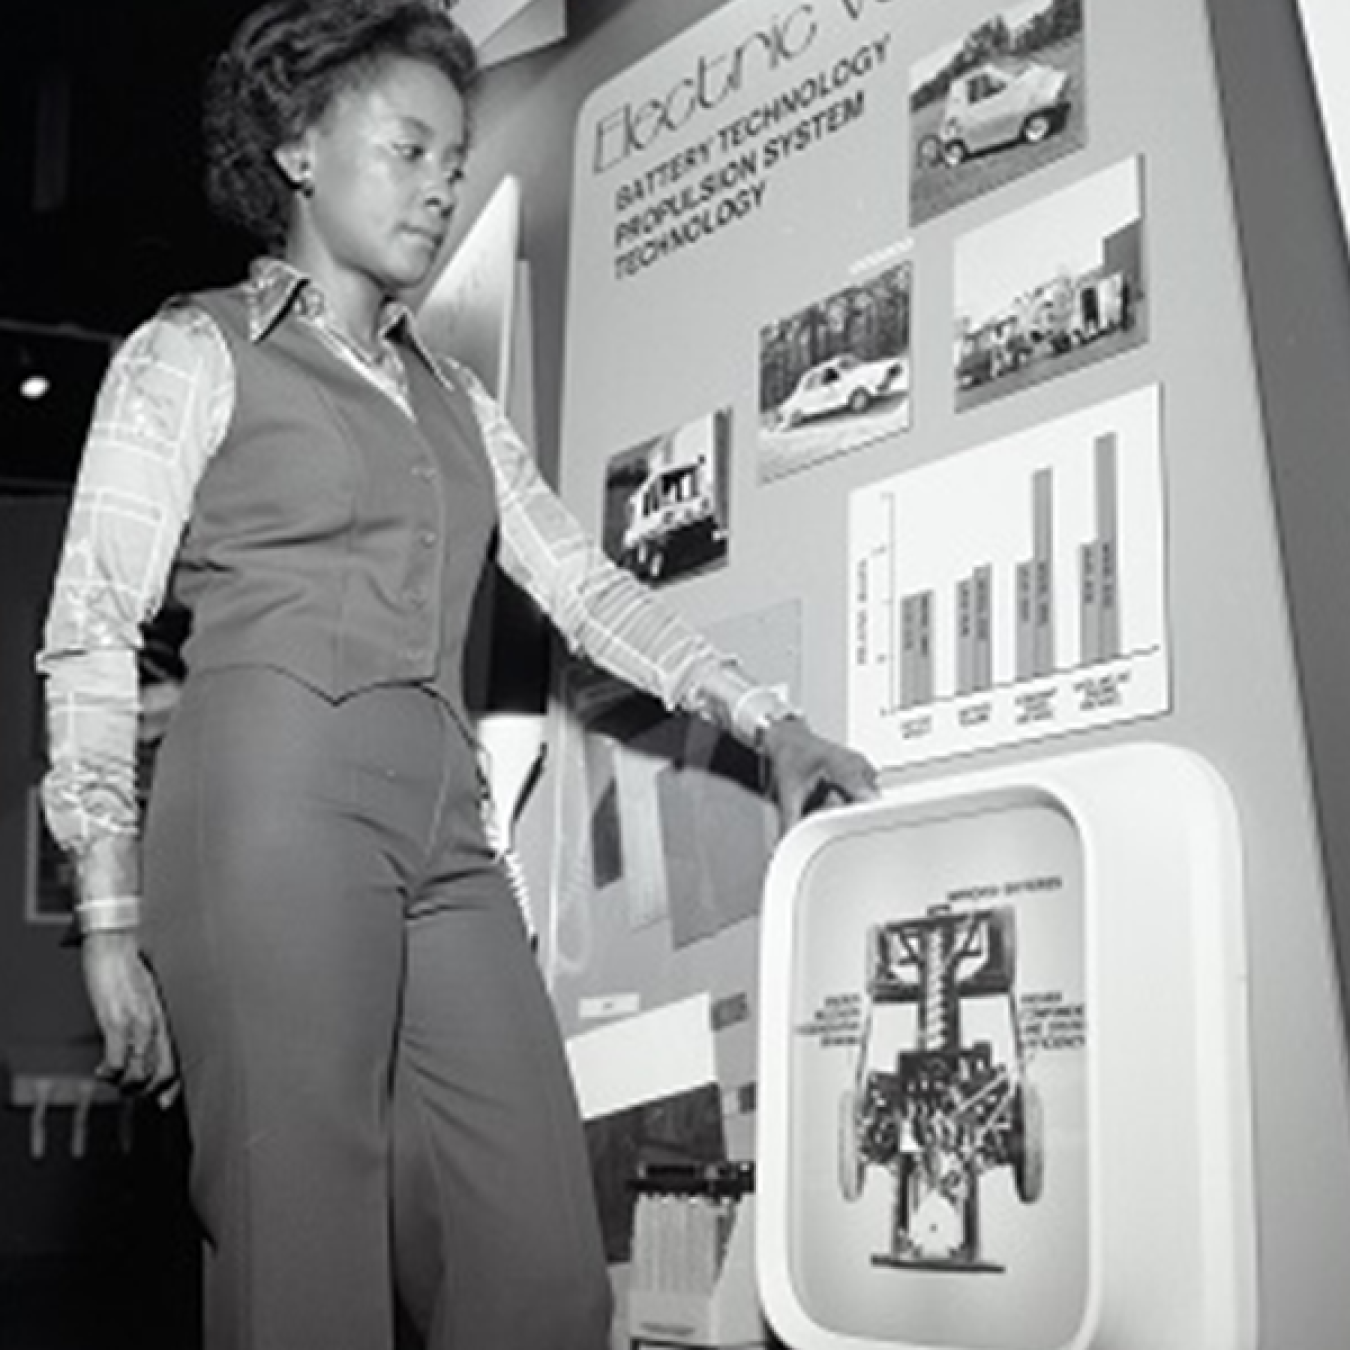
(843,383)
(1003,99)
(835,375)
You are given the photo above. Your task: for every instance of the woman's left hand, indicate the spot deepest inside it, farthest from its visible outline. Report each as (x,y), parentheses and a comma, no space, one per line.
(809,771)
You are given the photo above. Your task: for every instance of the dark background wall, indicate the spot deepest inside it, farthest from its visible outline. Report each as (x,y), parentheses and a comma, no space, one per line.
(94,1223)
(40,996)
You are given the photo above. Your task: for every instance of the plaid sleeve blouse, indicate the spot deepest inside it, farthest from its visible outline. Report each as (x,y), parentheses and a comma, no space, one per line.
(162,412)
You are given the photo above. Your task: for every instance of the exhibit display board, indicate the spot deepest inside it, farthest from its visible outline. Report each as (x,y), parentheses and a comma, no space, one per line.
(975,1131)
(910,350)
(854,238)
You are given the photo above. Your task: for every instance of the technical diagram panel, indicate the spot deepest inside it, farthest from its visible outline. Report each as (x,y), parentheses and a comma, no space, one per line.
(938,1168)
(1003,1065)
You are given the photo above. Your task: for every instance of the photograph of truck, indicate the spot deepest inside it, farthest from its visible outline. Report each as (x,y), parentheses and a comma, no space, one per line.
(1051,321)
(1051,288)
(665,501)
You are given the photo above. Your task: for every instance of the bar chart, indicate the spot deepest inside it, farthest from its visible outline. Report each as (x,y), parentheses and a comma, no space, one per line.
(1013,591)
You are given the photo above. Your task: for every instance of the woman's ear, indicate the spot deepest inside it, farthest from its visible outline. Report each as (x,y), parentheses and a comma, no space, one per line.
(294,161)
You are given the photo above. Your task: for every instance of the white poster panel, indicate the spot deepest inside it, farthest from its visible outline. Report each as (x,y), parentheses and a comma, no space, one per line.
(1012,592)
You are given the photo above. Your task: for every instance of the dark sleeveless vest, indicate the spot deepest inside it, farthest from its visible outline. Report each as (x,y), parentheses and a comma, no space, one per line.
(330,537)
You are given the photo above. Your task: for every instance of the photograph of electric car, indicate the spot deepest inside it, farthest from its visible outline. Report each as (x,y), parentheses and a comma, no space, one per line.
(995,104)
(999,104)
(665,511)
(835,375)
(949,1108)
(1050,288)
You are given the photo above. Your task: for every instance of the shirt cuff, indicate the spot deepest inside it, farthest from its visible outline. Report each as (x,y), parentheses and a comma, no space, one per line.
(753,708)
(108,914)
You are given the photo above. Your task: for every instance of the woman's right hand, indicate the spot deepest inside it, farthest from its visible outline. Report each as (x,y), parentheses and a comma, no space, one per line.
(137,1052)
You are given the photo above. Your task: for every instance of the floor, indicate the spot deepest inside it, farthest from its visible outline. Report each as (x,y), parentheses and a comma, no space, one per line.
(99,1251)
(57,1304)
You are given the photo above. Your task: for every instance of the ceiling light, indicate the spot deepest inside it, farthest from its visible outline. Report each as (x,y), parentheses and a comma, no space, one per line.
(34,386)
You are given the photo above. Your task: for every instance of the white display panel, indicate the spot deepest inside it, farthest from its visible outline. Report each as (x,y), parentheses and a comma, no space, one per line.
(1012,592)
(469,310)
(1326,25)
(1048,1142)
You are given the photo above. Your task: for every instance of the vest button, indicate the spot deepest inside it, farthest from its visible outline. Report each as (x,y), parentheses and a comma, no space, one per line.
(423,471)
(416,597)
(427,538)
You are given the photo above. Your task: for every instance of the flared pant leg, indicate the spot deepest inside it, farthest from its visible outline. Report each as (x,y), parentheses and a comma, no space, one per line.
(490,1160)
(343,967)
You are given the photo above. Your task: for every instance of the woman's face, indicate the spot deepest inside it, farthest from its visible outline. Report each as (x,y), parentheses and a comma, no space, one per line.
(385,163)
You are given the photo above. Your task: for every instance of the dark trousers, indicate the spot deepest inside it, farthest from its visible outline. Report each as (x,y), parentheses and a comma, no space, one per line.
(373,1073)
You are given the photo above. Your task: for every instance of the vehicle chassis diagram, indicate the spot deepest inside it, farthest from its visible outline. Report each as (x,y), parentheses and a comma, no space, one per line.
(945,1113)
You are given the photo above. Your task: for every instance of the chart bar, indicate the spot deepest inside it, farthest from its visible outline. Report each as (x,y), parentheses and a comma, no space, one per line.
(1025,651)
(1108,538)
(983,654)
(965,635)
(1043,574)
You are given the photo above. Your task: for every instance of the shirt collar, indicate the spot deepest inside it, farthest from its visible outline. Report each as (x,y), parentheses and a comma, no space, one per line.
(275,287)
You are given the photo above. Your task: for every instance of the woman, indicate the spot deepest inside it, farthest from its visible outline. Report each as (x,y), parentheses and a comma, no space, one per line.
(369,1059)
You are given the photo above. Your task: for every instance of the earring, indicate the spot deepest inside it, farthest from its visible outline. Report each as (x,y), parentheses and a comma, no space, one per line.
(304,184)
